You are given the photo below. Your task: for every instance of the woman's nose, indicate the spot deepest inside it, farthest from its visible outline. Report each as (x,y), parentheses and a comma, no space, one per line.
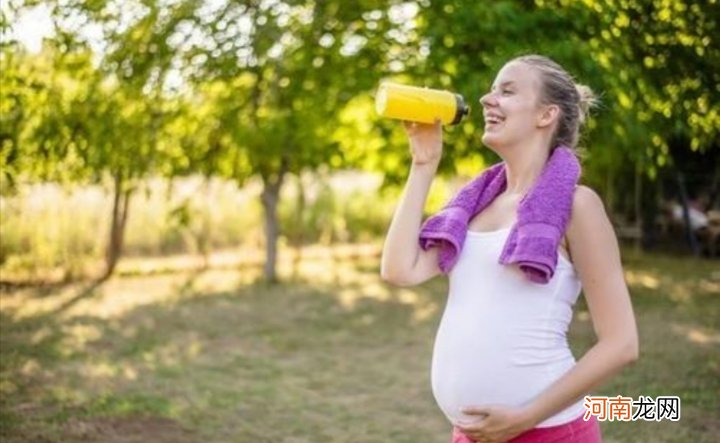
(488,99)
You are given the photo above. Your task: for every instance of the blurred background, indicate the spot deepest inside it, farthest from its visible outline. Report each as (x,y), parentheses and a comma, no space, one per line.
(194,194)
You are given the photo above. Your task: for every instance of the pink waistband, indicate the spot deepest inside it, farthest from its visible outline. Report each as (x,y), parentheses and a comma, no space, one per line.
(576,431)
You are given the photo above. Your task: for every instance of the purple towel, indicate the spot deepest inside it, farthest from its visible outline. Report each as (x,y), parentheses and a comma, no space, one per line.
(543,215)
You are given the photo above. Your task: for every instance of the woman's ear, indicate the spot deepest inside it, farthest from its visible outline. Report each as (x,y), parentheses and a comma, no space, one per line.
(548,115)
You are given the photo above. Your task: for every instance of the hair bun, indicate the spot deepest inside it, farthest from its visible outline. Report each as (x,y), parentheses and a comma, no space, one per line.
(587,100)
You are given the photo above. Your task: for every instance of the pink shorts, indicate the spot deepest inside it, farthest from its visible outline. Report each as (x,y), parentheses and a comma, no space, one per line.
(576,431)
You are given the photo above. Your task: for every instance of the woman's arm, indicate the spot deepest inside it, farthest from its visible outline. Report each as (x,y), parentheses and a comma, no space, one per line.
(596,256)
(403,262)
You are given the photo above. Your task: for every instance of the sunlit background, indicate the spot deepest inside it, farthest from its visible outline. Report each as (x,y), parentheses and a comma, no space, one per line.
(194,195)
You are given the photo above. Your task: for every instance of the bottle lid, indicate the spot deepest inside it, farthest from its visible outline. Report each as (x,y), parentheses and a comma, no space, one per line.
(461,109)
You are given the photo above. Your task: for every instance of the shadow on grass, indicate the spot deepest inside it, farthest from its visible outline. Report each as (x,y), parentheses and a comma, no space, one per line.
(247,362)
(333,357)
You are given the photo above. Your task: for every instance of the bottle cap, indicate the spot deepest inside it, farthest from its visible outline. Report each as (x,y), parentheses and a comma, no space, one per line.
(461,109)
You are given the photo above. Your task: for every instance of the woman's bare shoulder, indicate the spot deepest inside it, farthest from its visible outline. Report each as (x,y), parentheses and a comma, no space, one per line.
(586,198)
(588,217)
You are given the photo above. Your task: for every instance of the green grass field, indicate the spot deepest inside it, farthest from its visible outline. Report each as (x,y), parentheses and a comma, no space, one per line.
(331,355)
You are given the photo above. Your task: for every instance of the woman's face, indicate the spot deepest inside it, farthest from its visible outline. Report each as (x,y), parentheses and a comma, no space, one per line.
(511,107)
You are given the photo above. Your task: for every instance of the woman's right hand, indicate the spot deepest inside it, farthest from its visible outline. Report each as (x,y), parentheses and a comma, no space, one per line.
(425,141)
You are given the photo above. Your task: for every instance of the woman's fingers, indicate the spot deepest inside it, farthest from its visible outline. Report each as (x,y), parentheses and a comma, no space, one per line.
(425,140)
(418,125)
(410,127)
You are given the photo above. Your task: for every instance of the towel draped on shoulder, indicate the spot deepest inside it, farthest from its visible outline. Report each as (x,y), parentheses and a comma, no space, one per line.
(542,217)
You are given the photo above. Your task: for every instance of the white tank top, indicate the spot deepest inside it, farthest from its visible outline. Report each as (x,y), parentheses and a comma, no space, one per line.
(502,338)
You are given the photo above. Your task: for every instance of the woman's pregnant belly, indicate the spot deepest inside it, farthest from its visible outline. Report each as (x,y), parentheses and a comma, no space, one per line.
(488,359)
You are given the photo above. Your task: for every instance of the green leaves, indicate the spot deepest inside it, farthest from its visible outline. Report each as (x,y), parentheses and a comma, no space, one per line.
(231,88)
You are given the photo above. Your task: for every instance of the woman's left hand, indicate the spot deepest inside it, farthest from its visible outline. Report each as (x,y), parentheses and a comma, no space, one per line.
(497,424)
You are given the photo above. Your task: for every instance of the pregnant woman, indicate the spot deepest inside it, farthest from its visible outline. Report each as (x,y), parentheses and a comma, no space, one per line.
(517,244)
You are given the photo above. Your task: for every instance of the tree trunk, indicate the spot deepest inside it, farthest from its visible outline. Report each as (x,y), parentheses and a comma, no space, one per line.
(121,200)
(638,208)
(270,197)
(203,240)
(714,190)
(610,191)
(689,233)
(300,240)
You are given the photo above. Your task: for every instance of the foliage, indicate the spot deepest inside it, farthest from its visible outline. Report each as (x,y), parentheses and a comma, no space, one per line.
(269,88)
(47,228)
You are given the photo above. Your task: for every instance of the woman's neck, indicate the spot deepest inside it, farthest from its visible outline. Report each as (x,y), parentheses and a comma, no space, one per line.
(523,165)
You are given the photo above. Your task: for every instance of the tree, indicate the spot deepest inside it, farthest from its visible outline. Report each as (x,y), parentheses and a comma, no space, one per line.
(277,75)
(73,121)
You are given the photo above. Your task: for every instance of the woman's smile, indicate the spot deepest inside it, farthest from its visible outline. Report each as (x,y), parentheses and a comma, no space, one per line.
(493,120)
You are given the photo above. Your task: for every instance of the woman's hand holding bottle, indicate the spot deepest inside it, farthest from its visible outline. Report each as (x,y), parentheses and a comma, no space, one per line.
(425,142)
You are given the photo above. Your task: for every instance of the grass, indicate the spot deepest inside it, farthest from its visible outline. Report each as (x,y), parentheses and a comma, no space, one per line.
(55,233)
(332,355)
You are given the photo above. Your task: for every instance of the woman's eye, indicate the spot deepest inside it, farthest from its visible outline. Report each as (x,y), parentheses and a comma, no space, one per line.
(506,92)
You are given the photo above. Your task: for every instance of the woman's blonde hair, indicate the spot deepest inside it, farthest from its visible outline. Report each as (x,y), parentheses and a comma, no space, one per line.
(559,88)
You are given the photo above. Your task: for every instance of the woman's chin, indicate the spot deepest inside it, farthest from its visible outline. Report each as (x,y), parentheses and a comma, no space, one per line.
(491,140)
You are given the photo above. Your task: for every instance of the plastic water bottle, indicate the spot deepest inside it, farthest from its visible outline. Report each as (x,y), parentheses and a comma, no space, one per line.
(421,105)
